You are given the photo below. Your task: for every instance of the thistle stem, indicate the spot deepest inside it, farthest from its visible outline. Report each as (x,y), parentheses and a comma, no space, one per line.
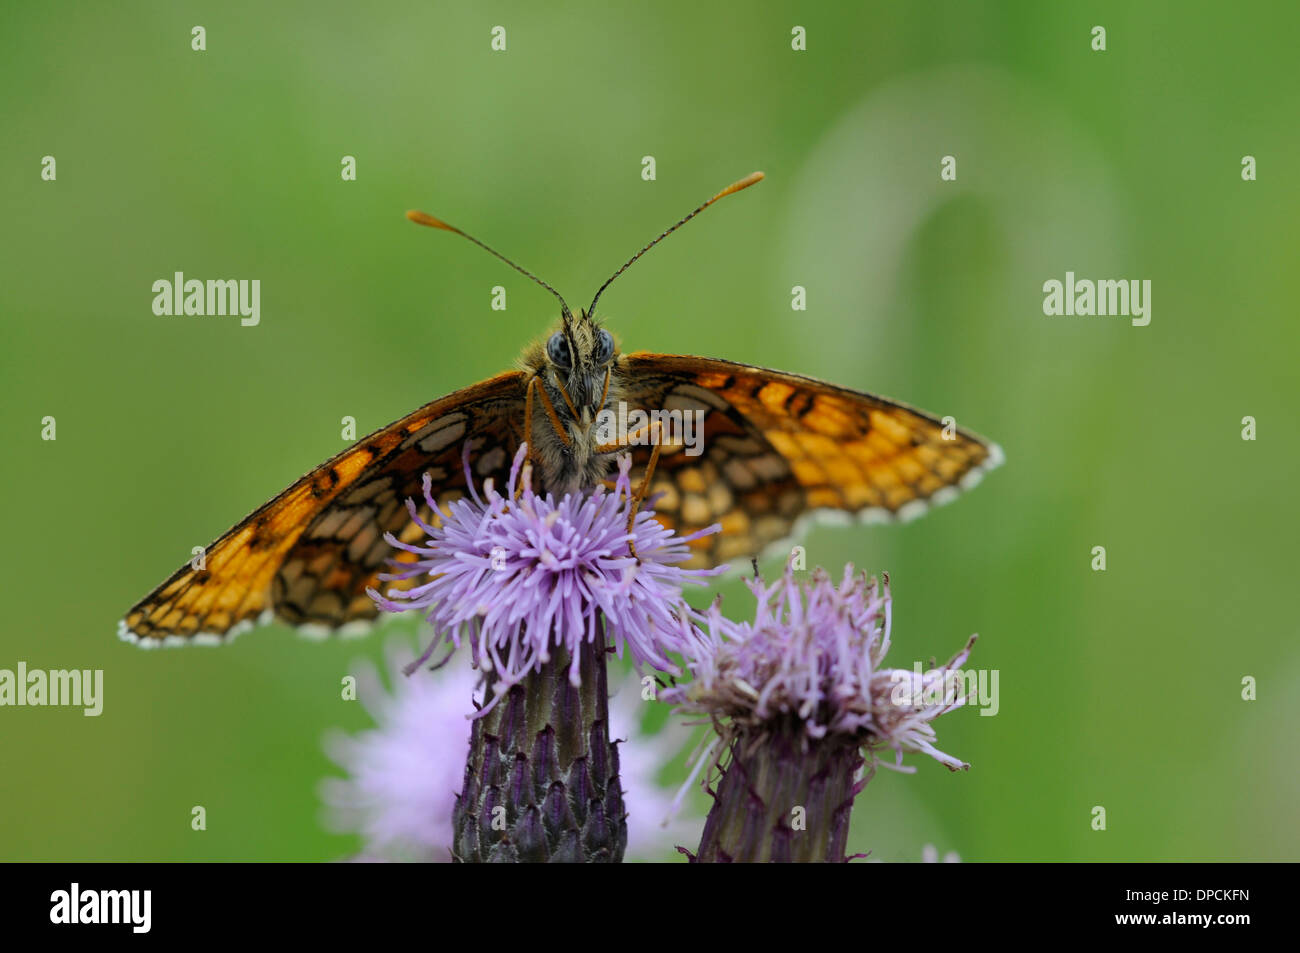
(783,798)
(541,780)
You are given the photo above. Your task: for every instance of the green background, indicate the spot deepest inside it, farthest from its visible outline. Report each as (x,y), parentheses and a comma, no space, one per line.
(1119,688)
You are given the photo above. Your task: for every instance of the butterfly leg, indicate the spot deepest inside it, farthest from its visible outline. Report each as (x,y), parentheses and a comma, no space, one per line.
(528,430)
(528,416)
(567,400)
(654,431)
(639,496)
(605,392)
(536,384)
(550,412)
(651,433)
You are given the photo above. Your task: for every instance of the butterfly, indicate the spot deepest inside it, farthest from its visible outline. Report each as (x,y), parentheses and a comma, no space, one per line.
(774,450)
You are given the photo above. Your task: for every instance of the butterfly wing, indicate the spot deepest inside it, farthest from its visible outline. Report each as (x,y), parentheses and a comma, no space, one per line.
(778,448)
(307,556)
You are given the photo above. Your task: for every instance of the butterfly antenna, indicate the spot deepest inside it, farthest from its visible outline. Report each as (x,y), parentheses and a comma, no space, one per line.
(424,218)
(744,183)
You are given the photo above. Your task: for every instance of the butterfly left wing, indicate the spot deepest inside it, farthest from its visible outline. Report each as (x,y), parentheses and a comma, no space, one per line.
(777,448)
(308,555)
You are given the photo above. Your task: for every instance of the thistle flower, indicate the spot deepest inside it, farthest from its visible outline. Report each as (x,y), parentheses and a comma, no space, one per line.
(799,697)
(517,578)
(403,774)
(536,586)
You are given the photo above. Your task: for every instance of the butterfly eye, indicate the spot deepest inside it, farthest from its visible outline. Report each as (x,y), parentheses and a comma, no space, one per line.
(557,349)
(604,347)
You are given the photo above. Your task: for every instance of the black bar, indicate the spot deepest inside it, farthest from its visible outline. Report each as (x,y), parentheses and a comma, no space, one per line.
(923,903)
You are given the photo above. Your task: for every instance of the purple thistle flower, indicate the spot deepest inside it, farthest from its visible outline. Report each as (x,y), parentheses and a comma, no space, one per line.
(536,587)
(798,697)
(816,653)
(517,574)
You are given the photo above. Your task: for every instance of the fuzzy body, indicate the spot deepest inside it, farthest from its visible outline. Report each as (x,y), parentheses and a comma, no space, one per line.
(577,393)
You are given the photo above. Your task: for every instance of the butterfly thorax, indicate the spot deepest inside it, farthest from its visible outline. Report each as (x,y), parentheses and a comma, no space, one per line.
(575,373)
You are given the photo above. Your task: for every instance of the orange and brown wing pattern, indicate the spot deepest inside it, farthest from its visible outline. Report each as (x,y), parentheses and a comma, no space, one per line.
(307,556)
(778,448)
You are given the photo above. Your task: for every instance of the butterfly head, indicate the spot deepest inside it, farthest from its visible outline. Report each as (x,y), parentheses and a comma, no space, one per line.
(579,355)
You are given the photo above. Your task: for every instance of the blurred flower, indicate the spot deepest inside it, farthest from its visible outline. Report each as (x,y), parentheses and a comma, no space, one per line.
(520,573)
(930,855)
(404,774)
